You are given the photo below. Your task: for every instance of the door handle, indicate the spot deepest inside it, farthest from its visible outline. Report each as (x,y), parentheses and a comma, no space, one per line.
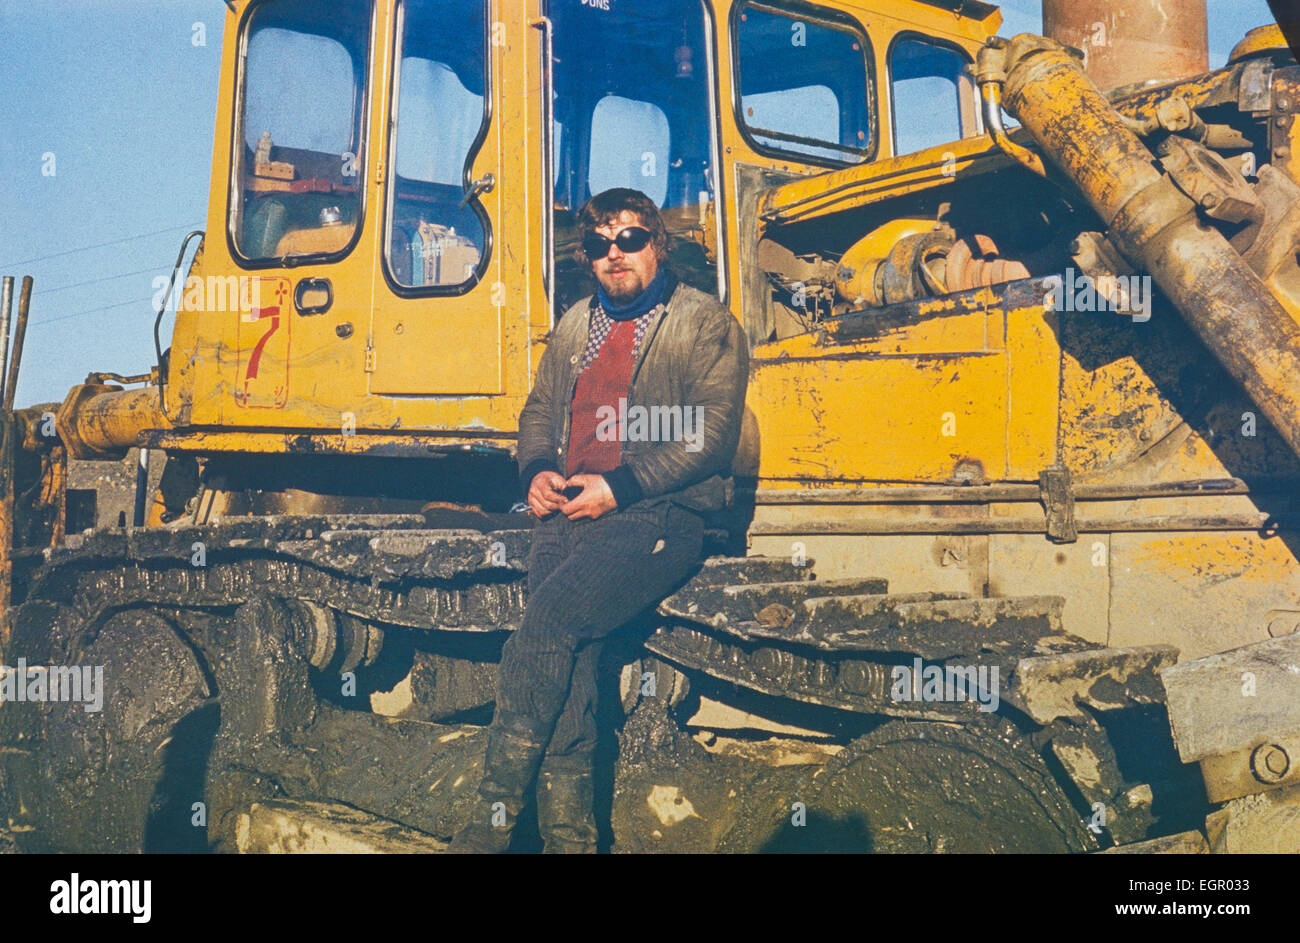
(482,185)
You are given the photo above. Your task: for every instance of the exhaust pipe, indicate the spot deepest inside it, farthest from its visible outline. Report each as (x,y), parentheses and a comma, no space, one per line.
(1130,41)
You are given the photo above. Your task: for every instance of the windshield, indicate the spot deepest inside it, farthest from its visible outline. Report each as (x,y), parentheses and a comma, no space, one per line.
(299,163)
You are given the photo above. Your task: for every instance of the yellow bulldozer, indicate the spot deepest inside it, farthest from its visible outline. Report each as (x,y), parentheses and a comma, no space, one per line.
(1012,563)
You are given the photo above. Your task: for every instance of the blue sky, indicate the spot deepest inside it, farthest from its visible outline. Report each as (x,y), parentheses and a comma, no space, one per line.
(122,94)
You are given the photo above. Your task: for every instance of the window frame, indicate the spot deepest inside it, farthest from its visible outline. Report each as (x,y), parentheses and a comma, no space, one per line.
(467,170)
(911,35)
(831,19)
(234,194)
(717,150)
(591,141)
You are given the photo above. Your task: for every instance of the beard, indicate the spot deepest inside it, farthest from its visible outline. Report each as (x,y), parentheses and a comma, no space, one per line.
(624,289)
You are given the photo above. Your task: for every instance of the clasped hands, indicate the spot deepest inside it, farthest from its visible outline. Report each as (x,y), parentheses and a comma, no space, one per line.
(546,496)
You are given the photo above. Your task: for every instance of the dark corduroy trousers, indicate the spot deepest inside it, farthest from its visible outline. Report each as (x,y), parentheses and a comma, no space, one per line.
(585,579)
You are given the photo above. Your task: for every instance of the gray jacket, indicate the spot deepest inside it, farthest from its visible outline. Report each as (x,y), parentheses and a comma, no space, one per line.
(694,358)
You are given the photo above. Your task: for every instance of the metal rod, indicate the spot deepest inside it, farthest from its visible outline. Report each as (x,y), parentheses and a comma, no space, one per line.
(162,310)
(141,488)
(20,333)
(991,92)
(1253,523)
(6,313)
(7,432)
(548,157)
(1008,493)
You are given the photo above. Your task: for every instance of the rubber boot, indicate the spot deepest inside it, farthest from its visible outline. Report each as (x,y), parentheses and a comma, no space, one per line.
(565,817)
(514,752)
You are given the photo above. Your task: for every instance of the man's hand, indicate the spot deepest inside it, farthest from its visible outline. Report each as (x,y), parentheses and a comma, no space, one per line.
(596,498)
(545,493)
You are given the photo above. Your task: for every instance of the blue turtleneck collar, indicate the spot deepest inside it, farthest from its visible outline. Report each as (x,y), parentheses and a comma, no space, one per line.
(658,290)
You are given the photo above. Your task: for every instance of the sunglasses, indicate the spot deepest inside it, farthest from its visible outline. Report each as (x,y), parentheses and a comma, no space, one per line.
(632,239)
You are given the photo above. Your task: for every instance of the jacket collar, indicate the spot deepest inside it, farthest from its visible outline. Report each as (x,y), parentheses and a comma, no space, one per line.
(653,328)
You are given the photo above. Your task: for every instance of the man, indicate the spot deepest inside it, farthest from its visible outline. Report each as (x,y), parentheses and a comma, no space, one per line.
(618,498)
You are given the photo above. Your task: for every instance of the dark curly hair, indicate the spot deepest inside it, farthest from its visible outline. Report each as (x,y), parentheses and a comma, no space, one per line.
(604,208)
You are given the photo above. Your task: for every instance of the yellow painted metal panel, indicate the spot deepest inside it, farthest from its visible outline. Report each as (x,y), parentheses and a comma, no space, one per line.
(902,418)
(1033,390)
(1205,592)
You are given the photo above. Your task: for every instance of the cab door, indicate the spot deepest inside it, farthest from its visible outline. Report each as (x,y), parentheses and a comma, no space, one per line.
(434,329)
(634,105)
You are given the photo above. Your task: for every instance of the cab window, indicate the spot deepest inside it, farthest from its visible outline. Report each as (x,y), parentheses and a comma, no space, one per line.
(436,237)
(933,97)
(804,85)
(633,108)
(298,162)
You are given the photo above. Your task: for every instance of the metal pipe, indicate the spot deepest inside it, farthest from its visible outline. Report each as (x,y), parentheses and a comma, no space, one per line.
(141,488)
(1154,225)
(97,422)
(1129,41)
(8,432)
(20,334)
(1129,524)
(991,93)
(162,310)
(1007,493)
(6,313)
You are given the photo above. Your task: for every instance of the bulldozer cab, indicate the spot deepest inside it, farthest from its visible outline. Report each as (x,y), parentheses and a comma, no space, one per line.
(397,183)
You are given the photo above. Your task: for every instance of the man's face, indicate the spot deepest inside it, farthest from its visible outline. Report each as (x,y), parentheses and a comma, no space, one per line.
(624,275)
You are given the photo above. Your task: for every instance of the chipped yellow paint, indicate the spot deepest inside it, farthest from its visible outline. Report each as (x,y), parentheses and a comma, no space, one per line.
(913,404)
(1199,559)
(853,187)
(839,420)
(1259,41)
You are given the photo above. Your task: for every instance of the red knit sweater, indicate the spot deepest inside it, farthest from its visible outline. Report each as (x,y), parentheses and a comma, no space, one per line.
(602,384)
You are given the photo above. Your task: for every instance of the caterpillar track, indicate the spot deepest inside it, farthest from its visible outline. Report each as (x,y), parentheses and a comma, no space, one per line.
(337,657)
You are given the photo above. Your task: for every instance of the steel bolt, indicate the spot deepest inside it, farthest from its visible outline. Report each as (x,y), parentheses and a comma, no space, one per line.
(1269,763)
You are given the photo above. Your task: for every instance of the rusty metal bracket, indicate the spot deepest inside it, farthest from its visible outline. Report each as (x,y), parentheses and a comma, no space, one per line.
(1056,491)
(1255,87)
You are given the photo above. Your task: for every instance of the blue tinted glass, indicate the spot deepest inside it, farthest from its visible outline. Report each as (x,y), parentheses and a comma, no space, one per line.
(632,97)
(300,170)
(803,86)
(434,241)
(926,82)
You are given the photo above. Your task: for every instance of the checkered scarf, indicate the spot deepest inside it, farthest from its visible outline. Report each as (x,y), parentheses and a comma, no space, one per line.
(602,324)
